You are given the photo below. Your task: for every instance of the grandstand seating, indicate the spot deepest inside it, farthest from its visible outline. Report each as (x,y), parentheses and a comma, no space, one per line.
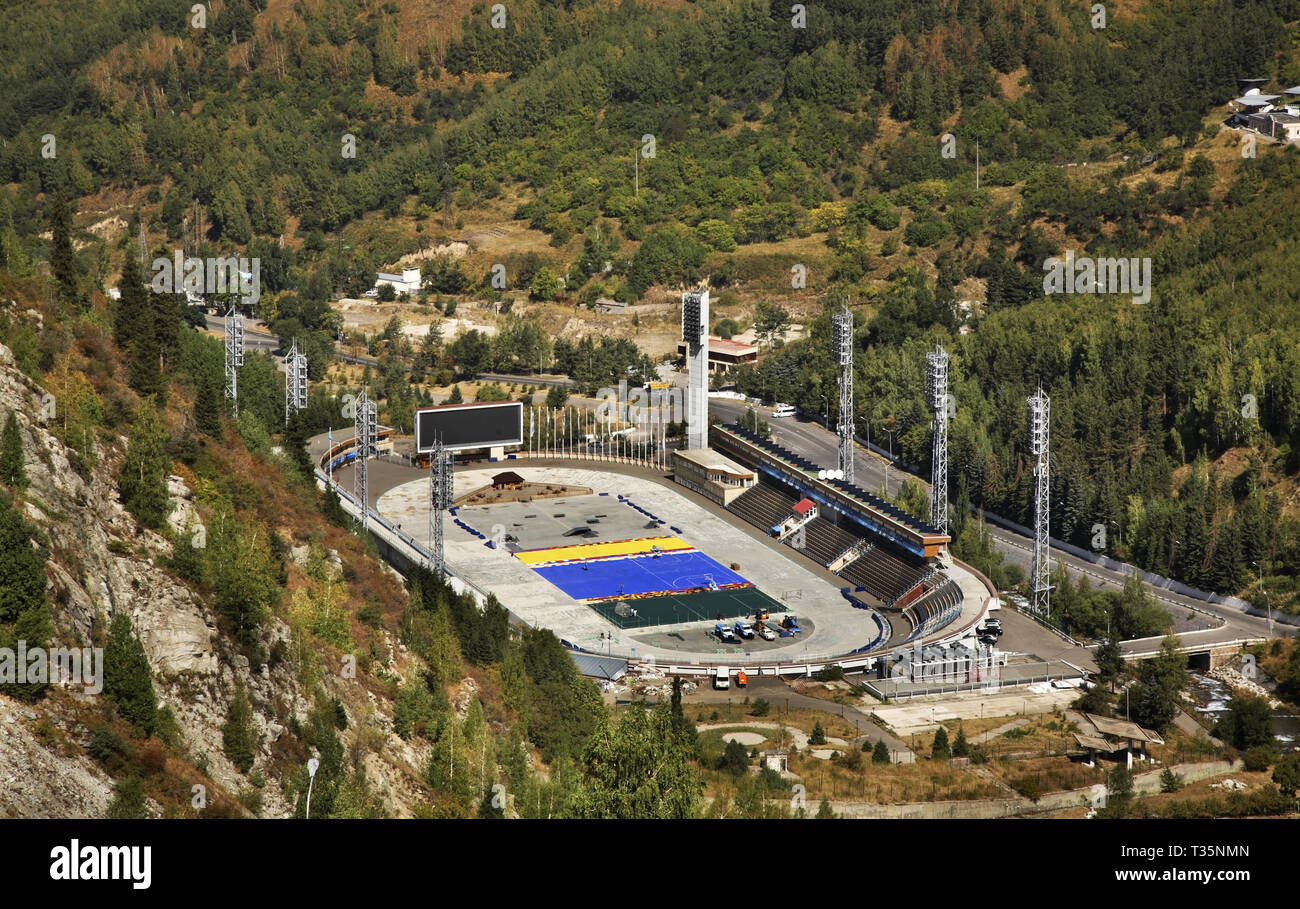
(884,574)
(825,541)
(936,609)
(763,505)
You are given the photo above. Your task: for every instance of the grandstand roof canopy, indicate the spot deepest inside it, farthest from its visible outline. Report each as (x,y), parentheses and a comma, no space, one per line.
(599,667)
(1123,729)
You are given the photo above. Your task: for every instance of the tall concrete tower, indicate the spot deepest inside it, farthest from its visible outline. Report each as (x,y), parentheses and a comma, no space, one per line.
(695,332)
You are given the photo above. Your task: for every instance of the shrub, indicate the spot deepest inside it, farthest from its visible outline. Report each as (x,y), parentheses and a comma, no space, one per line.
(1170,781)
(1259,758)
(760,707)
(128,800)
(818,736)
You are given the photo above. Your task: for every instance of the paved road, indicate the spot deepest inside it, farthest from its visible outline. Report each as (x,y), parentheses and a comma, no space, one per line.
(820,445)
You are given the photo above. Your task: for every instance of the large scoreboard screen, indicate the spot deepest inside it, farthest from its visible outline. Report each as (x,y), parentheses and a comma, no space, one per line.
(466,426)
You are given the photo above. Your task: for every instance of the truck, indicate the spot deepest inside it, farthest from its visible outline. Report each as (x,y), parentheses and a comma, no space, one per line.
(724,633)
(743,629)
(721,678)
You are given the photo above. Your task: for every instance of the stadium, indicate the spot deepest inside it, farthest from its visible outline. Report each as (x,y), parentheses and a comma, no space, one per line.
(626,559)
(586,521)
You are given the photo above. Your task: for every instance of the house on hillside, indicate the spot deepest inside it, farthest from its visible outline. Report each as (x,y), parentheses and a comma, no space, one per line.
(408,282)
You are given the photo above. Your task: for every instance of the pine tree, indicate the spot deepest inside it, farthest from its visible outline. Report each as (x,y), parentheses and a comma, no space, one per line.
(136,328)
(455,397)
(63,262)
(960,747)
(939,750)
(238,735)
(128,679)
(24,615)
(208,405)
(880,754)
(13,471)
(143,478)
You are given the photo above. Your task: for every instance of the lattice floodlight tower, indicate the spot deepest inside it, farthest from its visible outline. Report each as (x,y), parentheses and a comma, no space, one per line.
(936,368)
(1040,569)
(842,337)
(295,381)
(234,327)
(365,434)
(441,484)
(695,321)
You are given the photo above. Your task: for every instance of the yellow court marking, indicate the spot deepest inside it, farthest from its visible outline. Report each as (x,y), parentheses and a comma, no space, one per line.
(601,550)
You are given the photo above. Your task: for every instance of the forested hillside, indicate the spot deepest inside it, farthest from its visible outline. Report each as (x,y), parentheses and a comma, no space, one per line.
(651,145)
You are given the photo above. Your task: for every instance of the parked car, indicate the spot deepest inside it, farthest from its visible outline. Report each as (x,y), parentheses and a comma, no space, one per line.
(987,640)
(784,410)
(767,633)
(743,629)
(724,633)
(721,678)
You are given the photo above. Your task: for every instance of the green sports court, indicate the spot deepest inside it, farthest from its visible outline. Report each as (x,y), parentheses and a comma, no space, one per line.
(674,608)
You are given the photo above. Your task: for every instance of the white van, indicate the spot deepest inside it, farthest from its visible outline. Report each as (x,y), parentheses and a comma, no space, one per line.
(784,410)
(721,678)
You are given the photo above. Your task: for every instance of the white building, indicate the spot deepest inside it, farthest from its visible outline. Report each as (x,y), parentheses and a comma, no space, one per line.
(408,282)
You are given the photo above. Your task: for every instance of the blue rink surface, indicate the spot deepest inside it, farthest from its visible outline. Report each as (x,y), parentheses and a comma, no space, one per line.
(667,572)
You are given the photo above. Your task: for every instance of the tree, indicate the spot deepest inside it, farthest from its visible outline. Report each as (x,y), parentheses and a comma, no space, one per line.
(880,753)
(128,680)
(825,812)
(63,261)
(13,471)
(818,736)
(556,396)
(24,615)
(1286,773)
(1161,681)
(1110,661)
(242,570)
(960,747)
(735,760)
(139,330)
(683,726)
(940,750)
(770,320)
(1119,790)
(546,285)
(637,769)
(142,481)
(1247,723)
(456,397)
(238,734)
(1170,781)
